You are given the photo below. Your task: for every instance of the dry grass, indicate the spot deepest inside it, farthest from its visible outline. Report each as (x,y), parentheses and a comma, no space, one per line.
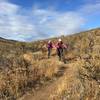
(23,72)
(24,65)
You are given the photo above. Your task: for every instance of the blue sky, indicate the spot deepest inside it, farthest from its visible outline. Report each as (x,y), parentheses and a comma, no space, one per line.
(28,20)
(62,5)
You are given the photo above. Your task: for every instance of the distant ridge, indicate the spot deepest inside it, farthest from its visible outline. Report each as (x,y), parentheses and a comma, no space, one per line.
(11,40)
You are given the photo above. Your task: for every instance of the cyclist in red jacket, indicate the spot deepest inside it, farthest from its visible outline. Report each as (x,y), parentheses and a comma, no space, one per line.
(60,48)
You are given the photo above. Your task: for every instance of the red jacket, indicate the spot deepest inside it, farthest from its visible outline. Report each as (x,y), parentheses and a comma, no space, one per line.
(61,45)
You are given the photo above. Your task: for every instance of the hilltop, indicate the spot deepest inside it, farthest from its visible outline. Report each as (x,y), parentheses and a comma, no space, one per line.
(27,74)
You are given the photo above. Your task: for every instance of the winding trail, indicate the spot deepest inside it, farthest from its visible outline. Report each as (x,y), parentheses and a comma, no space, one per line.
(62,80)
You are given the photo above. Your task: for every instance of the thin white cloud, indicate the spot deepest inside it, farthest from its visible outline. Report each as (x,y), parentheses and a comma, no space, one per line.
(12,24)
(40,23)
(3,0)
(92,1)
(58,23)
(8,8)
(90,9)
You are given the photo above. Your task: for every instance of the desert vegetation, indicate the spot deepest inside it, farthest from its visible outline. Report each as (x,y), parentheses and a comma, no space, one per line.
(24,68)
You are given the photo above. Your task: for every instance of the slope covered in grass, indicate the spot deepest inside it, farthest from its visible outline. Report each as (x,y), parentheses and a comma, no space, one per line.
(26,73)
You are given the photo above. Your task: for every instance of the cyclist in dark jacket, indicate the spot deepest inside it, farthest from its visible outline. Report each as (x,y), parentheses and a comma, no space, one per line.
(49,46)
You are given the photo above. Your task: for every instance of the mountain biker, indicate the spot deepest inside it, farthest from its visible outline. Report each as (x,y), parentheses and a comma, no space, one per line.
(60,49)
(49,46)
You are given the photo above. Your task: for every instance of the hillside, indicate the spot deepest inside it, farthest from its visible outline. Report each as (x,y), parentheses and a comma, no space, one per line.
(27,74)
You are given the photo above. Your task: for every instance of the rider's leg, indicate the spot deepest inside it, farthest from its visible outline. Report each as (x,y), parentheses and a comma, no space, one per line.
(58,53)
(49,52)
(61,53)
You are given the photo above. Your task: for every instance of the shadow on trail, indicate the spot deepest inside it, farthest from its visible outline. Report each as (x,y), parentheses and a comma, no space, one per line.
(60,72)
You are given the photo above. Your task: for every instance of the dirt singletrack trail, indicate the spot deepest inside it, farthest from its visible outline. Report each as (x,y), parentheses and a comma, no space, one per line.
(62,80)
(52,90)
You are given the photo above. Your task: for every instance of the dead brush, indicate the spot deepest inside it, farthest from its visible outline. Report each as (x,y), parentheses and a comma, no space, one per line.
(38,55)
(18,78)
(46,69)
(51,68)
(2,85)
(31,57)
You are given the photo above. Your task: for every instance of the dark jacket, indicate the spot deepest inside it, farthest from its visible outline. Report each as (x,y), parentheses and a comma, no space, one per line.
(50,45)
